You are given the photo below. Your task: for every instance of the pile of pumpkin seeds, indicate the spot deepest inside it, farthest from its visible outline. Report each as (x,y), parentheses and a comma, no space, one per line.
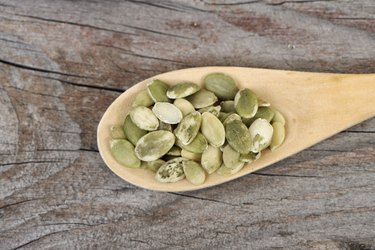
(187,131)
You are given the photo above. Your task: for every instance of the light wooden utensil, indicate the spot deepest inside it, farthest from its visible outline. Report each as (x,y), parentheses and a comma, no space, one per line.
(315,105)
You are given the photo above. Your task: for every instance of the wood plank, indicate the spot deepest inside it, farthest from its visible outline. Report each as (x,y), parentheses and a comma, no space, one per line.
(63,62)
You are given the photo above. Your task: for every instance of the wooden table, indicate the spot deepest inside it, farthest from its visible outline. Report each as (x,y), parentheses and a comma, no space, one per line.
(63,62)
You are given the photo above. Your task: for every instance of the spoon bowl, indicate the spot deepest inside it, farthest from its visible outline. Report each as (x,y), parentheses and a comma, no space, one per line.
(315,106)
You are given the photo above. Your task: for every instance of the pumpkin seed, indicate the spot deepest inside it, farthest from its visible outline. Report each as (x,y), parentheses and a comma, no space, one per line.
(165,126)
(223,86)
(167,112)
(171,171)
(184,105)
(278,135)
(132,132)
(215,110)
(123,151)
(154,145)
(194,173)
(153,165)
(238,136)
(261,133)
(198,145)
(144,118)
(213,129)
(142,99)
(263,112)
(250,157)
(188,128)
(231,117)
(246,103)
(278,117)
(174,151)
(231,157)
(227,106)
(222,116)
(211,159)
(263,103)
(192,156)
(224,170)
(203,98)
(158,91)
(182,90)
(117,132)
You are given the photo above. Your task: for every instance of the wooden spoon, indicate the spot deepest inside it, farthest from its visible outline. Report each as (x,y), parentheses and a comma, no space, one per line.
(315,105)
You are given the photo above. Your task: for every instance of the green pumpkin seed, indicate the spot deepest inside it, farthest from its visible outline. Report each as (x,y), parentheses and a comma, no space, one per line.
(203,98)
(194,173)
(154,145)
(123,151)
(224,170)
(117,132)
(215,110)
(165,126)
(238,136)
(250,157)
(167,112)
(171,171)
(231,157)
(223,86)
(182,90)
(278,135)
(211,159)
(184,105)
(191,156)
(227,106)
(213,129)
(246,103)
(174,151)
(132,132)
(263,112)
(158,91)
(278,117)
(231,117)
(153,165)
(261,133)
(262,103)
(188,128)
(198,145)
(222,116)
(142,99)
(144,118)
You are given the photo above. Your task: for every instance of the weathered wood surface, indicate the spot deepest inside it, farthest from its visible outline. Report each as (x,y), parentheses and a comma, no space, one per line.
(63,62)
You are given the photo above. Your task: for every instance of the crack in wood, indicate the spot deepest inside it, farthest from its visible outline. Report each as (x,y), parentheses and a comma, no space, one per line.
(203,198)
(299,1)
(233,3)
(27,162)
(287,175)
(153,5)
(19,202)
(39,238)
(28,67)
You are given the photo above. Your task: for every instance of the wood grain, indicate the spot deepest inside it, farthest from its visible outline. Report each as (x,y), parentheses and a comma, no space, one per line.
(62,64)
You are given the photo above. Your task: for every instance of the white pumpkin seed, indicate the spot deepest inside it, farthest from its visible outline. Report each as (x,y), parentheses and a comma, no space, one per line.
(144,118)
(154,145)
(167,112)
(261,134)
(182,90)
